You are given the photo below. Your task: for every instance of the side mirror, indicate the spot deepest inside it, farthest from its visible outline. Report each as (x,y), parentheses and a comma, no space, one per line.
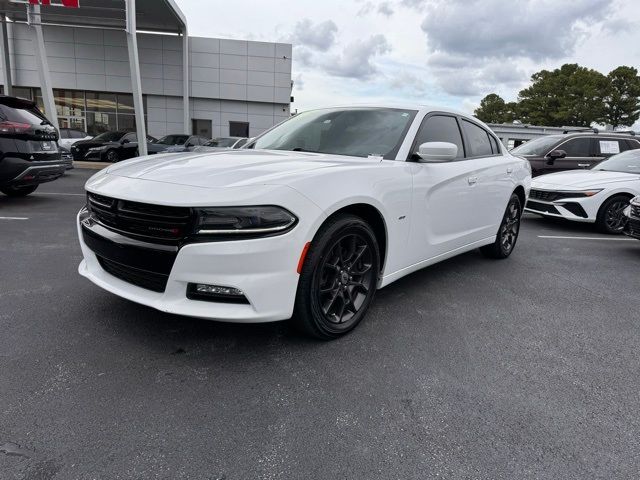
(437,152)
(554,155)
(126,140)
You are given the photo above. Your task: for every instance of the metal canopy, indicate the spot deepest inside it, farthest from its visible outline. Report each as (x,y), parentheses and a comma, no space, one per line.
(151,15)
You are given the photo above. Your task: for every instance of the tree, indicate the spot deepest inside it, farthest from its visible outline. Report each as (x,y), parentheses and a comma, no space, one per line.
(621,106)
(492,109)
(570,95)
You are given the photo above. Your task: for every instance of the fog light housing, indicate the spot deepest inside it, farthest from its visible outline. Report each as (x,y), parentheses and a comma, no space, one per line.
(215,293)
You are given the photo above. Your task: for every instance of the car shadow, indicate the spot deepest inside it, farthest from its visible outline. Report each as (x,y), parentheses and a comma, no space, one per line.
(566,226)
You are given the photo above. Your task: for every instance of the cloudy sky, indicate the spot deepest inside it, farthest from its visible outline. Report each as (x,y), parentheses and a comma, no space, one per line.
(442,52)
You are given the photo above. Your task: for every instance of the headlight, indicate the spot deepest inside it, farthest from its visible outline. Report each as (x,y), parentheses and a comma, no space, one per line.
(241,221)
(564,194)
(635,201)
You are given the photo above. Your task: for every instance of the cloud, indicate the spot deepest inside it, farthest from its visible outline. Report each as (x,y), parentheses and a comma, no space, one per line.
(408,82)
(320,36)
(356,58)
(473,52)
(537,29)
(298,82)
(415,4)
(385,9)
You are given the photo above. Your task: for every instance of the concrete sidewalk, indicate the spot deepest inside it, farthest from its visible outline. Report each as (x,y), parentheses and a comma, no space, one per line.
(91,165)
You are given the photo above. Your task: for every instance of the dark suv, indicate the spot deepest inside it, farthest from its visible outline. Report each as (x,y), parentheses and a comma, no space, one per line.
(29,153)
(569,151)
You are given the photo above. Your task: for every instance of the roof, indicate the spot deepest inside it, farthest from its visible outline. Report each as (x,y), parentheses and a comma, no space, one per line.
(153,15)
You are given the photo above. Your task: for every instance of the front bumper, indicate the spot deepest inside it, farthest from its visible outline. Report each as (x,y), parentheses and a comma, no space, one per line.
(632,228)
(265,269)
(576,209)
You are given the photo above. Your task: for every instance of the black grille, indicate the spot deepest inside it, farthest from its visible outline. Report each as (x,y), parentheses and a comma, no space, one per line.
(141,278)
(542,207)
(151,222)
(635,211)
(547,196)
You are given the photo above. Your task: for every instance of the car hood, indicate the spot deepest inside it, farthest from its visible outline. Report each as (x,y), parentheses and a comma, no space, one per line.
(234,168)
(576,179)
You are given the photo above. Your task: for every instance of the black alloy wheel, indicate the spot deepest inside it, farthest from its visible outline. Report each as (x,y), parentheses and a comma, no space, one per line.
(338,279)
(112,156)
(508,232)
(611,218)
(345,278)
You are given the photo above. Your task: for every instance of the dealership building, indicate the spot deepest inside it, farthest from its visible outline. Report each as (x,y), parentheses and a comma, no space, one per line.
(108,64)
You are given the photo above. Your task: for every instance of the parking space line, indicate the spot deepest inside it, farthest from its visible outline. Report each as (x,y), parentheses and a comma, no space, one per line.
(556,237)
(14,218)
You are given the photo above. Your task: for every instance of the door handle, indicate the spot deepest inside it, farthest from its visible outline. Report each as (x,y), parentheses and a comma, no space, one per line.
(472,180)
(509,170)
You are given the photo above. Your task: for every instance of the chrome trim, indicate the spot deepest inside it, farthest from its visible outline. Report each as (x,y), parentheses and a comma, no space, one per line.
(247,230)
(39,167)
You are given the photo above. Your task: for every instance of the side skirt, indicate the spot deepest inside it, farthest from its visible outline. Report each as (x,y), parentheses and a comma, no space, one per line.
(392,277)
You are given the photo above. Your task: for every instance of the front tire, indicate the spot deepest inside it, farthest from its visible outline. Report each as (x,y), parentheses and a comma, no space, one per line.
(338,279)
(610,218)
(507,233)
(18,191)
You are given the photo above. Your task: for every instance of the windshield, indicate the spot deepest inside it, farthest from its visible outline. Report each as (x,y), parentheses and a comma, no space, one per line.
(539,146)
(357,132)
(109,137)
(627,162)
(173,140)
(221,142)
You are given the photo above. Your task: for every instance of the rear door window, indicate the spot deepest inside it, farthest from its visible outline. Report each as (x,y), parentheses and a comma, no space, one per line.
(477,138)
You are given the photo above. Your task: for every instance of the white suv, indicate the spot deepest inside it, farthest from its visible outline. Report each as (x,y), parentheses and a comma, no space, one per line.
(308,221)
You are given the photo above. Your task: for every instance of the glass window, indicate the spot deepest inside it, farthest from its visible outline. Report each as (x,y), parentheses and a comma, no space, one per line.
(627,162)
(101,102)
(238,129)
(126,122)
(611,146)
(132,137)
(577,147)
(69,103)
(222,142)
(125,103)
(241,143)
(22,92)
(356,132)
(477,140)
(65,133)
(77,134)
(494,145)
(440,128)
(538,147)
(201,127)
(109,137)
(98,123)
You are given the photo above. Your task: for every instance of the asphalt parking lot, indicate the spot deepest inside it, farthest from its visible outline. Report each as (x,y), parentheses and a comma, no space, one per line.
(473,368)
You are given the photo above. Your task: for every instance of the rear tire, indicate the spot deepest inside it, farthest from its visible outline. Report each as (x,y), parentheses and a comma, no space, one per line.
(338,279)
(507,233)
(111,156)
(19,191)
(610,218)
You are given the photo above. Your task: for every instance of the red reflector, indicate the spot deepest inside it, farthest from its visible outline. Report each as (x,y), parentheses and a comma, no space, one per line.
(303,255)
(28,177)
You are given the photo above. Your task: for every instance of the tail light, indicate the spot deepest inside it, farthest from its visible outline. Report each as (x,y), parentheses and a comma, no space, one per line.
(14,127)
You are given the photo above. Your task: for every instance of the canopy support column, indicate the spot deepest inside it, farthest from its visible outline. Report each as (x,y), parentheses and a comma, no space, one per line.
(136,82)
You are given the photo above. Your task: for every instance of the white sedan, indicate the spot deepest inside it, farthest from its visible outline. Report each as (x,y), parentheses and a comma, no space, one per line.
(599,195)
(320,212)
